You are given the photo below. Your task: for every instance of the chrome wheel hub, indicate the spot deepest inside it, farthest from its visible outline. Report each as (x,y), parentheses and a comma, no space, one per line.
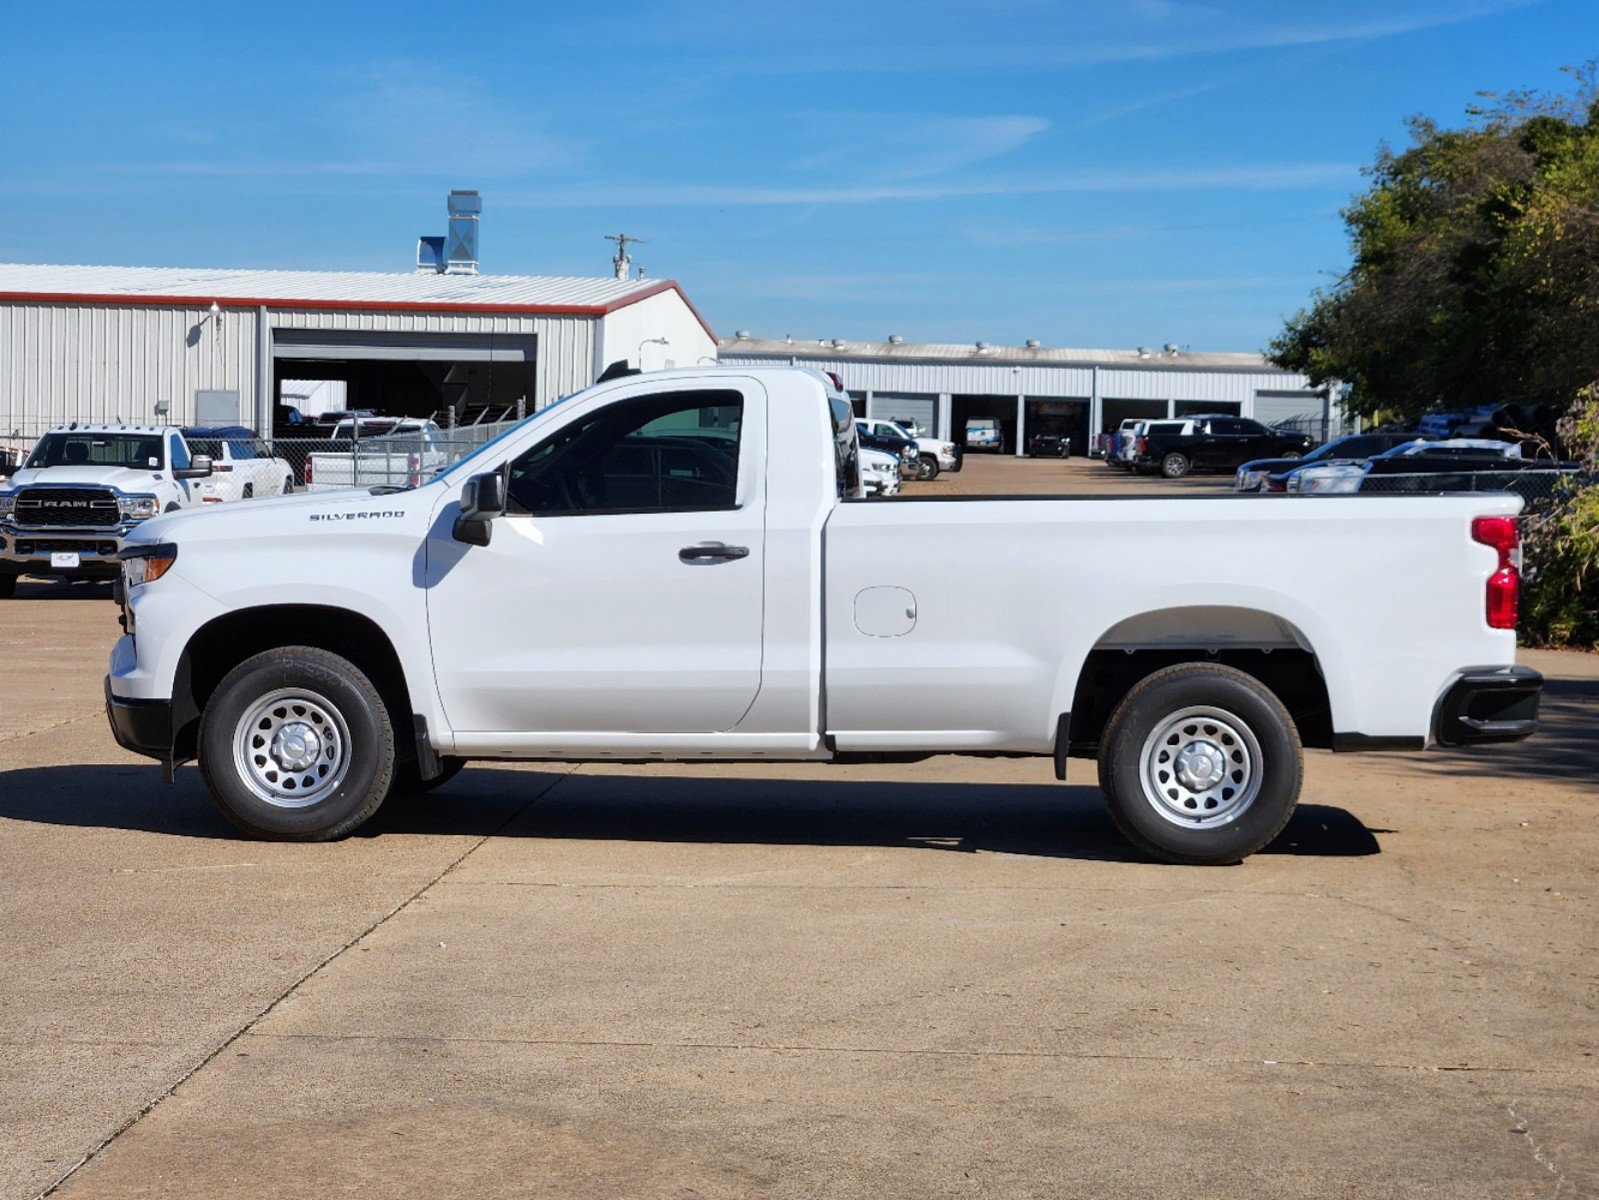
(291,748)
(1200,767)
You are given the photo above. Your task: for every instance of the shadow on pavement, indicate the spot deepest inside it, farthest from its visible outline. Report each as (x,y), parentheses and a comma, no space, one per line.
(63,589)
(1565,747)
(1051,821)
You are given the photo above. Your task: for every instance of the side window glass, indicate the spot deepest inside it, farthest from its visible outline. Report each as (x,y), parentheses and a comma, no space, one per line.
(672,453)
(180,454)
(846,449)
(241,450)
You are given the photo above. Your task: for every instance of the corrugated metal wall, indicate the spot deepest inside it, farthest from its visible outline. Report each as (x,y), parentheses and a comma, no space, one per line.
(98,362)
(1064,382)
(61,362)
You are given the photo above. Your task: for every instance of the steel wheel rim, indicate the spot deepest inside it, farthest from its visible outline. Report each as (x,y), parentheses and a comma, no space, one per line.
(292,748)
(1200,767)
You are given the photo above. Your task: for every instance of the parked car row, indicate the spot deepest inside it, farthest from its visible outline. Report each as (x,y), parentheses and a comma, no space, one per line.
(894,451)
(1400,462)
(1205,441)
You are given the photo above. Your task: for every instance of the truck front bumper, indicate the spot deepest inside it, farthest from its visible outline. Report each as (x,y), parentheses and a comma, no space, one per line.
(1488,704)
(26,551)
(142,726)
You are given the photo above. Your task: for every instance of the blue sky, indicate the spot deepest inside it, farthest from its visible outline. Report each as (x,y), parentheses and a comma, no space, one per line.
(1088,174)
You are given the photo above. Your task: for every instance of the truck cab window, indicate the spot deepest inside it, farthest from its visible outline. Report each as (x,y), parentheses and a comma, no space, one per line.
(671,453)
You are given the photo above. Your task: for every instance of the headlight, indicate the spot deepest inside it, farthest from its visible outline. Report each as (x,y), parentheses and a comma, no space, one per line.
(137,508)
(147,562)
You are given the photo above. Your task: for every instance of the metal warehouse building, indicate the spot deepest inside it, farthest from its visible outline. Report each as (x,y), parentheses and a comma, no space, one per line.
(185,346)
(1033,389)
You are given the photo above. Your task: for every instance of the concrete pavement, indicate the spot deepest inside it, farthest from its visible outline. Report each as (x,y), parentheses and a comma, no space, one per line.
(944,979)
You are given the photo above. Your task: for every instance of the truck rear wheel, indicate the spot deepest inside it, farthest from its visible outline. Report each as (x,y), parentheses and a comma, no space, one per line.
(1200,764)
(296,745)
(1175,465)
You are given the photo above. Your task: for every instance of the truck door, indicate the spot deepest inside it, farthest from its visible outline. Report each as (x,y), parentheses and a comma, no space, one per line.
(622,591)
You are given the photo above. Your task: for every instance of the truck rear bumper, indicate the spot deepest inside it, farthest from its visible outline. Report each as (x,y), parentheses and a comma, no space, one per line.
(142,726)
(1488,704)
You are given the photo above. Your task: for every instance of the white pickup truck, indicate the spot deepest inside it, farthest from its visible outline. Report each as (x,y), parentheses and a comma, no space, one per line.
(82,489)
(674,567)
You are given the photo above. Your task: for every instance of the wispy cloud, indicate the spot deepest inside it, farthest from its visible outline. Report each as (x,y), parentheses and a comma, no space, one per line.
(900,146)
(1210,37)
(1242,178)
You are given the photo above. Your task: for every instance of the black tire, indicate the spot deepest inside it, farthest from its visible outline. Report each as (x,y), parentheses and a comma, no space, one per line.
(407,782)
(288,486)
(1175,465)
(249,492)
(928,469)
(1245,722)
(363,765)
(8,586)
(1292,455)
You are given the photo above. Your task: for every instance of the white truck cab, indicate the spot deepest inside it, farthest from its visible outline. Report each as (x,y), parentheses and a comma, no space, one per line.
(82,489)
(675,566)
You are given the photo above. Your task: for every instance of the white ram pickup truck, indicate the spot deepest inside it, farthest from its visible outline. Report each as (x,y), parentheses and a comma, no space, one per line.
(82,489)
(675,566)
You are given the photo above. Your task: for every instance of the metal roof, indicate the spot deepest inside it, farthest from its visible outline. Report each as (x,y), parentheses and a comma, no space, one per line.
(324,289)
(968,354)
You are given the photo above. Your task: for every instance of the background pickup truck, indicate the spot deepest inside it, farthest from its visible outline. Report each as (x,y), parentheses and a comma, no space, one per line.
(81,491)
(676,566)
(387,453)
(1217,442)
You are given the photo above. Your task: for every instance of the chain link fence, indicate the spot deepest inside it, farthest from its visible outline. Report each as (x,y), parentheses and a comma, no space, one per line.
(1540,487)
(395,460)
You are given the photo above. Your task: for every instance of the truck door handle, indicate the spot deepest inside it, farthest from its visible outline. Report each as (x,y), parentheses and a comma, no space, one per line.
(715,551)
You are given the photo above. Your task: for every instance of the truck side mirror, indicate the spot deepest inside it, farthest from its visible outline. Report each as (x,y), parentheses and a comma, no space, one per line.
(199,468)
(482,499)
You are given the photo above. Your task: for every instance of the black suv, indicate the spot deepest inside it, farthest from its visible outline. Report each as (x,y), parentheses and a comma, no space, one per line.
(1220,442)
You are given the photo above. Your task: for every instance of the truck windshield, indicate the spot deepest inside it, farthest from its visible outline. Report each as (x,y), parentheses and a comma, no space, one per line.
(140,451)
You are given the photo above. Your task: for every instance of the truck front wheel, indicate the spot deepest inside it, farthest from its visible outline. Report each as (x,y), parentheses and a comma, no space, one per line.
(1200,764)
(296,745)
(928,468)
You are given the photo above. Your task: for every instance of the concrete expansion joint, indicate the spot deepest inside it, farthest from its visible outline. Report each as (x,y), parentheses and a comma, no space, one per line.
(922,1051)
(299,982)
(28,733)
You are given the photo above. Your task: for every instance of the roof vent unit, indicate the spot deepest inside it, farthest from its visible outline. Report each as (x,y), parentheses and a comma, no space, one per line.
(895,340)
(742,335)
(429,255)
(1033,343)
(838,343)
(982,347)
(460,246)
(1171,348)
(1143,352)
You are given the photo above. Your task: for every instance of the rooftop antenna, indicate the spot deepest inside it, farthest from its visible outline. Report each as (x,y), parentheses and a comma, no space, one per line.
(622,262)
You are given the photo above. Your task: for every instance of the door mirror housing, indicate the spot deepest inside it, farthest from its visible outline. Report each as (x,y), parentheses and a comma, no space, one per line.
(199,468)
(482,499)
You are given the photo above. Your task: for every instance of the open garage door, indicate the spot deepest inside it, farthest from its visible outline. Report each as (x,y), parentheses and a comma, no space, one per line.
(464,377)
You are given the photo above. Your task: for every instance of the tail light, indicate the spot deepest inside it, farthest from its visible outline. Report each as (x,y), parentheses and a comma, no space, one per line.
(1143,445)
(413,465)
(1504,585)
(308,471)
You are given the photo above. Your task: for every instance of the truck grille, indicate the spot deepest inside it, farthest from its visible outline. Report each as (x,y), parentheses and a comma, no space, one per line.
(41,507)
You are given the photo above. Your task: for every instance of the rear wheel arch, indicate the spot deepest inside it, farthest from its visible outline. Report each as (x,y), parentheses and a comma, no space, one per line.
(1266,647)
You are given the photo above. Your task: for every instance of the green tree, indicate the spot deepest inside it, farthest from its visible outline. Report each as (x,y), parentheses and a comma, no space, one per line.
(1475,273)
